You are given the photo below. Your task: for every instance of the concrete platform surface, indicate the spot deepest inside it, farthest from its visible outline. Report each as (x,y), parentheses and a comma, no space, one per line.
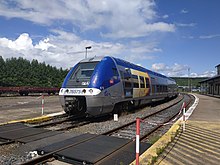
(25,107)
(200,142)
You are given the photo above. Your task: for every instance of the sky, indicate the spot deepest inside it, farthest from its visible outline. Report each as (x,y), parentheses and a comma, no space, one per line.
(172,37)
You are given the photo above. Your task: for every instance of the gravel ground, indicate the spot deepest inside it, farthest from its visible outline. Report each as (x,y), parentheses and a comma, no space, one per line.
(104,126)
(9,154)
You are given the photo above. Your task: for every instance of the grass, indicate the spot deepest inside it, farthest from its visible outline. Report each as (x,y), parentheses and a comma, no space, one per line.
(154,139)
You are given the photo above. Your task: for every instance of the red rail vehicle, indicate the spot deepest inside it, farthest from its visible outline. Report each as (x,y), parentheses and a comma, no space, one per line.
(26,90)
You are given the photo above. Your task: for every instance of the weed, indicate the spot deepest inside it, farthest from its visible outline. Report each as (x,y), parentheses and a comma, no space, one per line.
(154,139)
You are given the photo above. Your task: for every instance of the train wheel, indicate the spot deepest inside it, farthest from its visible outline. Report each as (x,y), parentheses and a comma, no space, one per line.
(21,93)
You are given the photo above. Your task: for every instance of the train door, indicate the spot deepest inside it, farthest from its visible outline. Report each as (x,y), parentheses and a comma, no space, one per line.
(218,89)
(142,87)
(127,83)
(153,86)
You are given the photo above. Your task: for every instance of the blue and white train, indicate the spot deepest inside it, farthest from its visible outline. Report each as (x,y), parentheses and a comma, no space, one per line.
(102,85)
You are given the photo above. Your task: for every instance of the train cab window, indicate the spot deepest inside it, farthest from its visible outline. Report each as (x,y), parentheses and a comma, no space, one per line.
(147,82)
(84,70)
(142,82)
(135,81)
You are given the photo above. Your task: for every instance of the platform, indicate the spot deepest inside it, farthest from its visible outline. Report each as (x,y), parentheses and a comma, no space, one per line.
(22,108)
(200,142)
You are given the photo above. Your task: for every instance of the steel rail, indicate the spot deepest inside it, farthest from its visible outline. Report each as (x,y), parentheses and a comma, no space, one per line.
(123,126)
(68,118)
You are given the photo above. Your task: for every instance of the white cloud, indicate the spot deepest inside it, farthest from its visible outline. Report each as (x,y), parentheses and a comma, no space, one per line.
(178,70)
(186,25)
(63,49)
(163,67)
(207,74)
(120,18)
(160,67)
(188,37)
(209,36)
(165,16)
(23,42)
(172,71)
(204,74)
(141,30)
(184,11)
(44,44)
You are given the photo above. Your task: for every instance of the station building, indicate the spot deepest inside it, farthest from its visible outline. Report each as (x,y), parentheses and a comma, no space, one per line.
(211,86)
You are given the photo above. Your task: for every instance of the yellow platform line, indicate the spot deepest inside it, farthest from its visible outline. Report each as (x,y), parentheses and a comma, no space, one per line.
(151,153)
(35,119)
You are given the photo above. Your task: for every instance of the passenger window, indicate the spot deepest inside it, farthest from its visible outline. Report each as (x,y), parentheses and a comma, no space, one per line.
(153,88)
(127,84)
(158,89)
(161,88)
(135,81)
(147,82)
(126,78)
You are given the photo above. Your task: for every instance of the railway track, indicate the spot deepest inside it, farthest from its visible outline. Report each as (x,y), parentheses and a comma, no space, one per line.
(148,126)
(19,132)
(62,123)
(126,131)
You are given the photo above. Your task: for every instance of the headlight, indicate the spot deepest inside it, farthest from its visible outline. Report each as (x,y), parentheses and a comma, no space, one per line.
(84,91)
(91,91)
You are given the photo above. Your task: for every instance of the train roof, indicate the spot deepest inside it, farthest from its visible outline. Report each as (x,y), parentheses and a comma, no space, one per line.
(93,59)
(126,64)
(140,68)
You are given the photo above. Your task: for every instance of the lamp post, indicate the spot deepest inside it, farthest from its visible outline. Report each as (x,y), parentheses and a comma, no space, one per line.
(87,47)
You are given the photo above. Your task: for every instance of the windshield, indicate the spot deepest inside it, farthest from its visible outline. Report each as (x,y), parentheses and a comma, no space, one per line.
(84,71)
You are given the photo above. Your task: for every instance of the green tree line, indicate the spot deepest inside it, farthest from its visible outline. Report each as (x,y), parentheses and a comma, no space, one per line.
(192,81)
(22,72)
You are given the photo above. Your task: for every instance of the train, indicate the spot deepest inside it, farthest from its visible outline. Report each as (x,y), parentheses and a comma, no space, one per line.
(106,85)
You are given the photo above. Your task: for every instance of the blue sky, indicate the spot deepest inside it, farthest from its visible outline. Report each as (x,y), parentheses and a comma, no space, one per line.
(167,36)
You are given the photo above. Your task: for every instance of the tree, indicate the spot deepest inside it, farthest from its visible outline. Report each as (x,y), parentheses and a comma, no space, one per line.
(21,72)
(2,70)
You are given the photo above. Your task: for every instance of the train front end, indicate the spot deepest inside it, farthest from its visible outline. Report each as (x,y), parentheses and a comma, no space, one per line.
(75,87)
(87,87)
